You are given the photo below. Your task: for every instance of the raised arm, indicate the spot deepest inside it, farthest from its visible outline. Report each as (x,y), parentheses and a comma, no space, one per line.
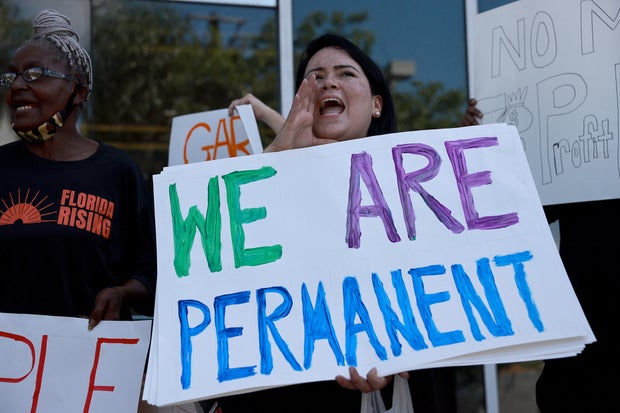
(262,111)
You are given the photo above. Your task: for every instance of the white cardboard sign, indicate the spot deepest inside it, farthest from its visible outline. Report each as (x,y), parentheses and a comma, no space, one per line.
(54,364)
(400,252)
(210,135)
(552,69)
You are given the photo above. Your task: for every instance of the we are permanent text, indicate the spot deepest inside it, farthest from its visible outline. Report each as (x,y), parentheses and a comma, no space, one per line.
(317,323)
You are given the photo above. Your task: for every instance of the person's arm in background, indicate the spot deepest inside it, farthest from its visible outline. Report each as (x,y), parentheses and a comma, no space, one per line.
(473,115)
(262,112)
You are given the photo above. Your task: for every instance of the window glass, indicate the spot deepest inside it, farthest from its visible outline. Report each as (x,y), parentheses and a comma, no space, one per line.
(485,5)
(155,60)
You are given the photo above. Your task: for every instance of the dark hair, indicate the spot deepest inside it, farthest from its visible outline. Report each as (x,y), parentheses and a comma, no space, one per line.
(386,123)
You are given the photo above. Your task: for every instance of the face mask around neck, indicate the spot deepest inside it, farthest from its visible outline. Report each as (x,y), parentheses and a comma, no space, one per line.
(48,129)
(44,132)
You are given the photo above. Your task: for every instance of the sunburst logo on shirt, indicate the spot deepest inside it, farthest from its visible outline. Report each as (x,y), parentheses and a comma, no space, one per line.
(29,210)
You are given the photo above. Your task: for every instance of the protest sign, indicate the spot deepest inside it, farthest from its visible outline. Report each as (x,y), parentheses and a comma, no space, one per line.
(552,69)
(400,251)
(212,135)
(54,364)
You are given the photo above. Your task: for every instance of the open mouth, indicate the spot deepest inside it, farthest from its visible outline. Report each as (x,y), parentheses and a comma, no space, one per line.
(331,106)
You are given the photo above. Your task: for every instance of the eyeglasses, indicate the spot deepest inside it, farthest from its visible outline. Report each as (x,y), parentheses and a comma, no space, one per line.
(30,75)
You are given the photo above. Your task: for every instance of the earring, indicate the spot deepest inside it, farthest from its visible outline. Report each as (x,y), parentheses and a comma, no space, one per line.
(377,114)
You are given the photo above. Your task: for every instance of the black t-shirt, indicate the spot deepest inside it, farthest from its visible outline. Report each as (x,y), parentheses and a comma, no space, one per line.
(68,229)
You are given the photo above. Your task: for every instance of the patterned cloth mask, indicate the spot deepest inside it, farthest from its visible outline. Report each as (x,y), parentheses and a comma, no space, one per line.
(44,132)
